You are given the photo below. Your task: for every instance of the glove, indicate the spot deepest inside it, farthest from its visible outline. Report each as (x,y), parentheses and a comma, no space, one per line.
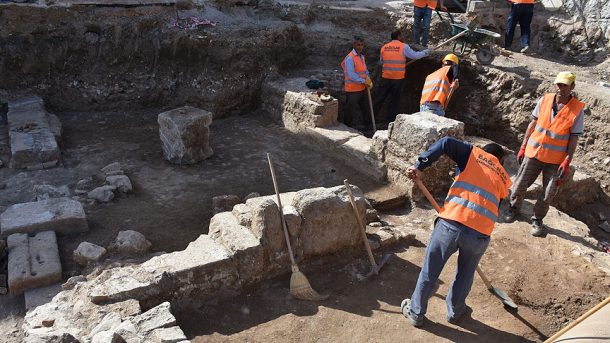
(564,168)
(427,52)
(521,155)
(368,82)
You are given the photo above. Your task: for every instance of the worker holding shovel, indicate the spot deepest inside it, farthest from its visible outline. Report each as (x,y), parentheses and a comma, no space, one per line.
(465,222)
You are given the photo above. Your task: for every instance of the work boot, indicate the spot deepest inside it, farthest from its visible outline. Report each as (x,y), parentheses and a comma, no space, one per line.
(405,307)
(510,214)
(457,318)
(538,229)
(524,49)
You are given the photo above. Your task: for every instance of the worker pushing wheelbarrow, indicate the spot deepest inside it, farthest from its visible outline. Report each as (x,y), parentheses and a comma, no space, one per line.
(480,39)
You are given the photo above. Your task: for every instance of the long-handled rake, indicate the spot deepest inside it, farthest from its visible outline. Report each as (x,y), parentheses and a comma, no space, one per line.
(299,285)
(500,294)
(375,268)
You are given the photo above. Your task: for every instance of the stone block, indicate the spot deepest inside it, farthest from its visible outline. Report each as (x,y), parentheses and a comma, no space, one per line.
(32,261)
(88,252)
(40,296)
(155,318)
(63,215)
(45,191)
(130,242)
(267,226)
(411,135)
(120,182)
(102,193)
(243,214)
(168,335)
(302,110)
(293,220)
(33,144)
(185,135)
(248,253)
(329,224)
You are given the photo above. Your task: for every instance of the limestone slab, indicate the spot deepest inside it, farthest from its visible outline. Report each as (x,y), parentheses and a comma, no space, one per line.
(63,215)
(42,295)
(32,261)
(32,141)
(185,134)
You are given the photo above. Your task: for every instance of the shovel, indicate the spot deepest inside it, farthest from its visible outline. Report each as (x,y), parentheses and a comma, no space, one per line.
(500,294)
(299,285)
(375,268)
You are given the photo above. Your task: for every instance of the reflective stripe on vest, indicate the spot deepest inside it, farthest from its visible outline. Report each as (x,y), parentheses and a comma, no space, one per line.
(425,3)
(549,140)
(522,1)
(436,87)
(359,68)
(474,197)
(394,60)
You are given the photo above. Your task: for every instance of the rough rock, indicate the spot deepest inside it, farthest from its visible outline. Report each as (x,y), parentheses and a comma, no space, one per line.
(303,110)
(33,145)
(293,220)
(130,242)
(73,281)
(32,261)
(168,335)
(380,140)
(222,203)
(49,335)
(107,337)
(109,323)
(88,252)
(114,168)
(85,185)
(63,215)
(45,191)
(371,215)
(102,193)
(251,195)
(155,318)
(411,135)
(185,134)
(329,223)
(55,126)
(243,214)
(121,182)
(247,251)
(267,227)
(39,296)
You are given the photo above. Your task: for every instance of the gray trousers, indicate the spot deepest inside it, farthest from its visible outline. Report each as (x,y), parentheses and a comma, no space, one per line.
(528,172)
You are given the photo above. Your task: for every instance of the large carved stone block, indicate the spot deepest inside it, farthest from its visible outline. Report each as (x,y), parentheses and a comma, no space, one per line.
(185,135)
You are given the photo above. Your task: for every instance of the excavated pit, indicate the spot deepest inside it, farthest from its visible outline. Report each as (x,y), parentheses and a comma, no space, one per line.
(107,73)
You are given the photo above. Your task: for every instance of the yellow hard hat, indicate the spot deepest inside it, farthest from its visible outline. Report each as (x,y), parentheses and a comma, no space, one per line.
(451,57)
(565,77)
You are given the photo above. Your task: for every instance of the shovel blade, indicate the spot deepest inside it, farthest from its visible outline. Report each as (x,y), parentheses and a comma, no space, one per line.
(506,300)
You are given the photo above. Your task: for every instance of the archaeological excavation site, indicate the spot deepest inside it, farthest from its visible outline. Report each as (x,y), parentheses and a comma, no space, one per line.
(304,171)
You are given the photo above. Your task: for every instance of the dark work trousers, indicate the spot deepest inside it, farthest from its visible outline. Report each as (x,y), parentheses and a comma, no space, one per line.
(357,102)
(392,88)
(521,14)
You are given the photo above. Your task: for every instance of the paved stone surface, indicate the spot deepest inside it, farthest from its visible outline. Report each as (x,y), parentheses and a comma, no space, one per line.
(42,295)
(63,215)
(32,261)
(32,141)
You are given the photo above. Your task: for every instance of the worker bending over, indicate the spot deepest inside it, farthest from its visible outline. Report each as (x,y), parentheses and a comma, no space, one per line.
(548,147)
(439,86)
(393,58)
(465,222)
(357,79)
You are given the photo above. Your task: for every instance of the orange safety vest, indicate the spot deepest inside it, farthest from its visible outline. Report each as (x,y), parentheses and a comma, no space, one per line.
(522,1)
(474,196)
(359,68)
(393,60)
(423,3)
(549,141)
(436,87)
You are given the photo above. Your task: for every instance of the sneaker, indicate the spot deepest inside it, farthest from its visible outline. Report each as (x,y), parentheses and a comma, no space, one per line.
(457,318)
(510,214)
(405,308)
(524,49)
(538,229)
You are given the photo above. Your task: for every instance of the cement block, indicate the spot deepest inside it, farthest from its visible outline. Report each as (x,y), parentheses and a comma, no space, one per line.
(40,296)
(32,261)
(33,144)
(63,215)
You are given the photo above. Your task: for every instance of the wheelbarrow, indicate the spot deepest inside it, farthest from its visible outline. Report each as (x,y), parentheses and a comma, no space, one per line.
(480,39)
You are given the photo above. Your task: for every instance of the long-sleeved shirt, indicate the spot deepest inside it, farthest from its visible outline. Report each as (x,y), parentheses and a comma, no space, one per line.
(409,53)
(579,123)
(349,66)
(457,150)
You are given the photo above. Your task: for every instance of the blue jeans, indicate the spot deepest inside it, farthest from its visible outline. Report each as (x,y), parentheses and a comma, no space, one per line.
(433,107)
(447,238)
(421,15)
(521,14)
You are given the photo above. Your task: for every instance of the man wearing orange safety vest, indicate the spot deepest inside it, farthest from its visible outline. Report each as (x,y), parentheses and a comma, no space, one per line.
(439,85)
(356,78)
(521,12)
(548,147)
(393,63)
(465,222)
(422,15)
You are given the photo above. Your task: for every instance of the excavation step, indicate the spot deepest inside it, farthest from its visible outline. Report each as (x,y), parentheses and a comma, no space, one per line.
(386,198)
(62,215)
(32,140)
(33,261)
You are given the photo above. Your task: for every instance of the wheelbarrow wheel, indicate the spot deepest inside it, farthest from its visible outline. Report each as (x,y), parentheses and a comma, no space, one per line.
(485,56)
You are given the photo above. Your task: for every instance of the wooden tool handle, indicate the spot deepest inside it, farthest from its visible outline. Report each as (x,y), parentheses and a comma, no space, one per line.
(279,204)
(424,190)
(368,92)
(361,224)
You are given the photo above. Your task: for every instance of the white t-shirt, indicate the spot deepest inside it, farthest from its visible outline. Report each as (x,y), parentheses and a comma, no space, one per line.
(579,123)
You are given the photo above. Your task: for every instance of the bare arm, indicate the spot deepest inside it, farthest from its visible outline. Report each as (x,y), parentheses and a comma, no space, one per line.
(572,144)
